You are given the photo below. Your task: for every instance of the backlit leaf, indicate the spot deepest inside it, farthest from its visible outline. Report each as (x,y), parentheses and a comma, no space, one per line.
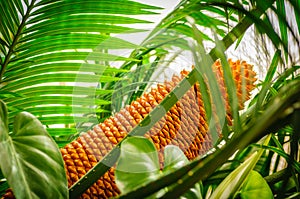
(33,164)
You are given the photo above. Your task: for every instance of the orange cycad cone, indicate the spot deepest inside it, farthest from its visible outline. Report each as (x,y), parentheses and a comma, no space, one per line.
(184,125)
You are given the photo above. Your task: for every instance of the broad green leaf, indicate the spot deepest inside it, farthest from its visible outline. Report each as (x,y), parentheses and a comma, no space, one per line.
(174,158)
(141,159)
(137,165)
(33,164)
(255,187)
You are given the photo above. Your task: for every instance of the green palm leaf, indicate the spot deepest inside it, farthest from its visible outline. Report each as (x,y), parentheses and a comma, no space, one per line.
(48,42)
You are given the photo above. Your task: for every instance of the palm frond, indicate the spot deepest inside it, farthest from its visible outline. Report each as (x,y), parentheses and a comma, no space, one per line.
(54,54)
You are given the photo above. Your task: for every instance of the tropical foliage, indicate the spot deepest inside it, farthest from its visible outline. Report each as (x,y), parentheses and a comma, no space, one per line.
(66,63)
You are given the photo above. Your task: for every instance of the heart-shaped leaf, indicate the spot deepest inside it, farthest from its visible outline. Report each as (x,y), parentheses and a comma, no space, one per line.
(30,159)
(138,164)
(174,159)
(255,187)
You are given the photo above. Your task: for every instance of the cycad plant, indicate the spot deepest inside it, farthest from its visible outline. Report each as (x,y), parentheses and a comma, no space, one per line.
(67,65)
